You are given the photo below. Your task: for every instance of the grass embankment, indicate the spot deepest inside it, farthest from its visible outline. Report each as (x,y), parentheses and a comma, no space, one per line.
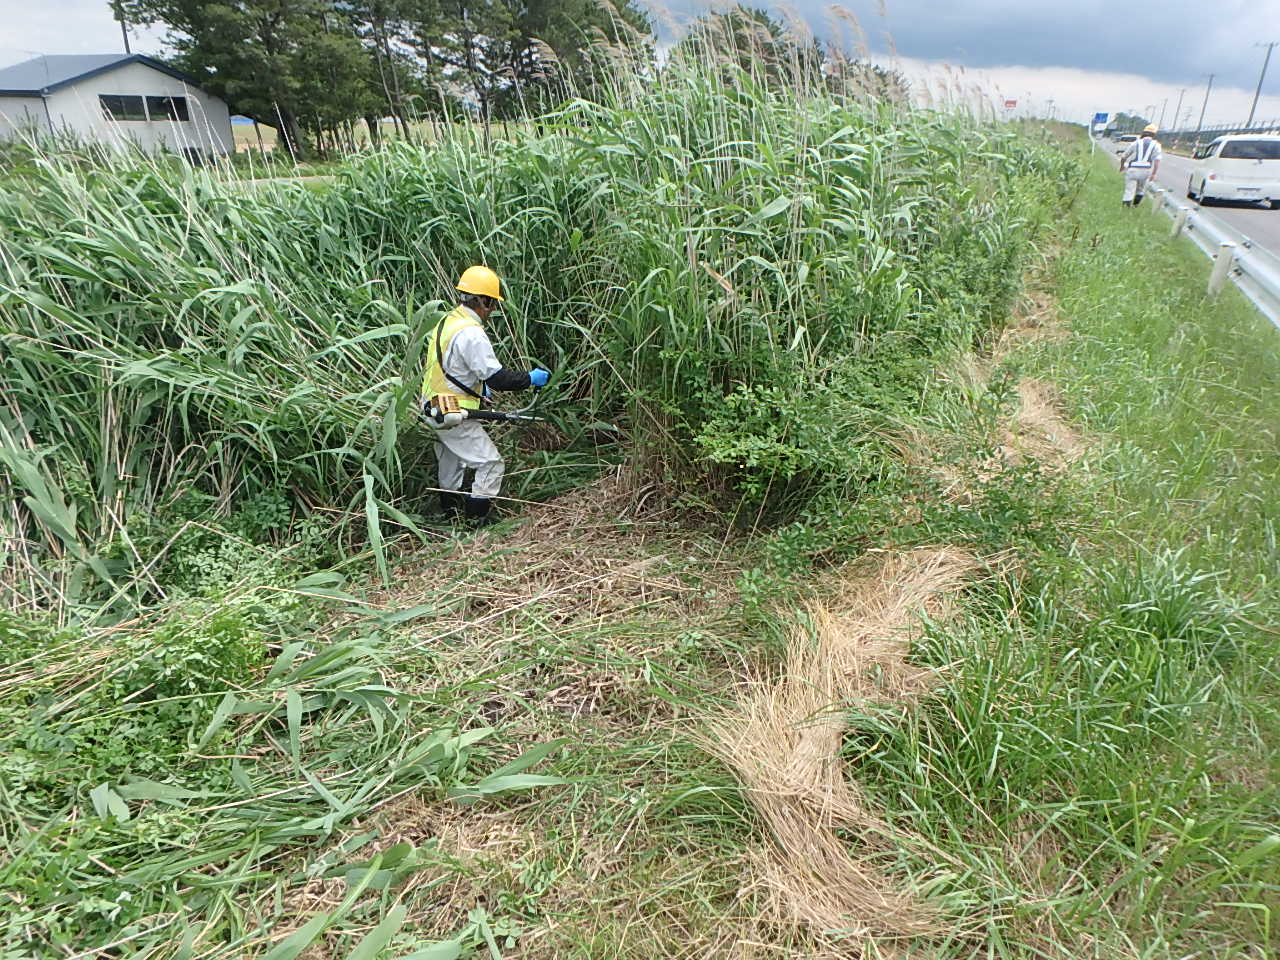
(1074,755)
(1105,749)
(766,751)
(208,394)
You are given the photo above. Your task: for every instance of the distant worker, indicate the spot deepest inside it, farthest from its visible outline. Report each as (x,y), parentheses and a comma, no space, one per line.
(1139,165)
(462,370)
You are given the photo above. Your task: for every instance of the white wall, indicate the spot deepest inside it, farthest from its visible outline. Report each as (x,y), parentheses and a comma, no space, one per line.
(76,108)
(21,115)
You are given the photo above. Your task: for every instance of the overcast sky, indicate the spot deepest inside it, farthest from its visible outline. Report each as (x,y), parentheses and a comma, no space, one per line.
(1085,55)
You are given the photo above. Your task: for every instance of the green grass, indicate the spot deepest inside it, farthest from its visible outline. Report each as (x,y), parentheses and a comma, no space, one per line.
(1104,759)
(1186,385)
(1185,390)
(495,744)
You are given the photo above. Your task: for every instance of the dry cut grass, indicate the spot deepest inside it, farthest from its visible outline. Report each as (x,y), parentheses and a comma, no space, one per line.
(605,566)
(595,555)
(1036,321)
(821,869)
(1038,429)
(1035,430)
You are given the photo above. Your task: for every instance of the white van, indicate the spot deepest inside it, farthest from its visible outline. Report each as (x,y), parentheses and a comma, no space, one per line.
(1238,167)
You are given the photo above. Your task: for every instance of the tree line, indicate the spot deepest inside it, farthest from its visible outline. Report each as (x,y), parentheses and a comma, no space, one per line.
(314,69)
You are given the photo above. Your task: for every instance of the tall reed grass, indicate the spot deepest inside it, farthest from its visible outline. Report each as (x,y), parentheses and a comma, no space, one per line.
(695,239)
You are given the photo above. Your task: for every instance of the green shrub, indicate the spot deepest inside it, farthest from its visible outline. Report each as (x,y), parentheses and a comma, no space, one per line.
(208,646)
(780,444)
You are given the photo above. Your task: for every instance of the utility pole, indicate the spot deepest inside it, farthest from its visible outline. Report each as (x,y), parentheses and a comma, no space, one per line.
(117,8)
(1164,106)
(1203,108)
(1177,117)
(1266,60)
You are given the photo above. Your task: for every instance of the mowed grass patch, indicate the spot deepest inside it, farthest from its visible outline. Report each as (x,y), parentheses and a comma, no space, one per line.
(615,641)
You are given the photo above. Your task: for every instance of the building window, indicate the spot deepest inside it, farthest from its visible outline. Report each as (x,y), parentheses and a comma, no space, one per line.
(168,108)
(118,107)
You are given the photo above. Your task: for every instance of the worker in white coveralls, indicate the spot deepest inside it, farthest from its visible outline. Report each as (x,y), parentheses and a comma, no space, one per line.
(462,370)
(1139,164)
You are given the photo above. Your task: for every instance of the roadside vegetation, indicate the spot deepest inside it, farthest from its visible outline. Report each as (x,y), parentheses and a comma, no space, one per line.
(899,576)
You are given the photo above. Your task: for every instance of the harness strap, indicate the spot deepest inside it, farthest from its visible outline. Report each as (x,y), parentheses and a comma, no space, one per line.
(1143,151)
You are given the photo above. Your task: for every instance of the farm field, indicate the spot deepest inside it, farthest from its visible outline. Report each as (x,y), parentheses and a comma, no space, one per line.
(894,577)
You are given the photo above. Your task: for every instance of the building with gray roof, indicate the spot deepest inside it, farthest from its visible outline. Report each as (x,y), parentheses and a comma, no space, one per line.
(116,99)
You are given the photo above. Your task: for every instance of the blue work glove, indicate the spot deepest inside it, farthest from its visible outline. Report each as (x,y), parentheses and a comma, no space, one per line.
(538,377)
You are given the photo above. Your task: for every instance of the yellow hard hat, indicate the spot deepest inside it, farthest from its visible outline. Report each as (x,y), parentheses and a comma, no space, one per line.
(481,281)
(1150,128)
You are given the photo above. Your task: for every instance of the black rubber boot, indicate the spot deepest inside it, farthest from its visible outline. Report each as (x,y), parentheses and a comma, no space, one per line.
(451,505)
(479,511)
(1137,200)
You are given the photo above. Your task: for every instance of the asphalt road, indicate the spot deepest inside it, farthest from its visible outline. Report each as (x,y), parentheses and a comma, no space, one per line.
(1260,225)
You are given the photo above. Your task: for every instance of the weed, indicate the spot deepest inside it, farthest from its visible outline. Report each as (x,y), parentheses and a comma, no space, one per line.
(718,267)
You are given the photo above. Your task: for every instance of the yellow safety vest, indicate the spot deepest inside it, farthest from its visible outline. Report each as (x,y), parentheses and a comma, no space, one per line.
(435,382)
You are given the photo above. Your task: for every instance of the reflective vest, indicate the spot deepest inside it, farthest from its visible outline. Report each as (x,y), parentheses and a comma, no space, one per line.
(1143,149)
(436,382)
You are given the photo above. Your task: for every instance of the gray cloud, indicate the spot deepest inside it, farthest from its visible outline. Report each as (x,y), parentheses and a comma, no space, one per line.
(1175,42)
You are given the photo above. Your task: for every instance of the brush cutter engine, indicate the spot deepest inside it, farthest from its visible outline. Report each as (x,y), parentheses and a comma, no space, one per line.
(445,411)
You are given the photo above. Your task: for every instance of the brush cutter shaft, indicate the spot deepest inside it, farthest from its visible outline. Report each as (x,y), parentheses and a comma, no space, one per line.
(502,416)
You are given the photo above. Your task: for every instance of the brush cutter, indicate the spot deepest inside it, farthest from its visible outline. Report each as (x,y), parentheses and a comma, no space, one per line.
(445,411)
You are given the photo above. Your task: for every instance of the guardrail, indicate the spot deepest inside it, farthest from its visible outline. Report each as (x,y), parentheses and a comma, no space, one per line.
(1255,271)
